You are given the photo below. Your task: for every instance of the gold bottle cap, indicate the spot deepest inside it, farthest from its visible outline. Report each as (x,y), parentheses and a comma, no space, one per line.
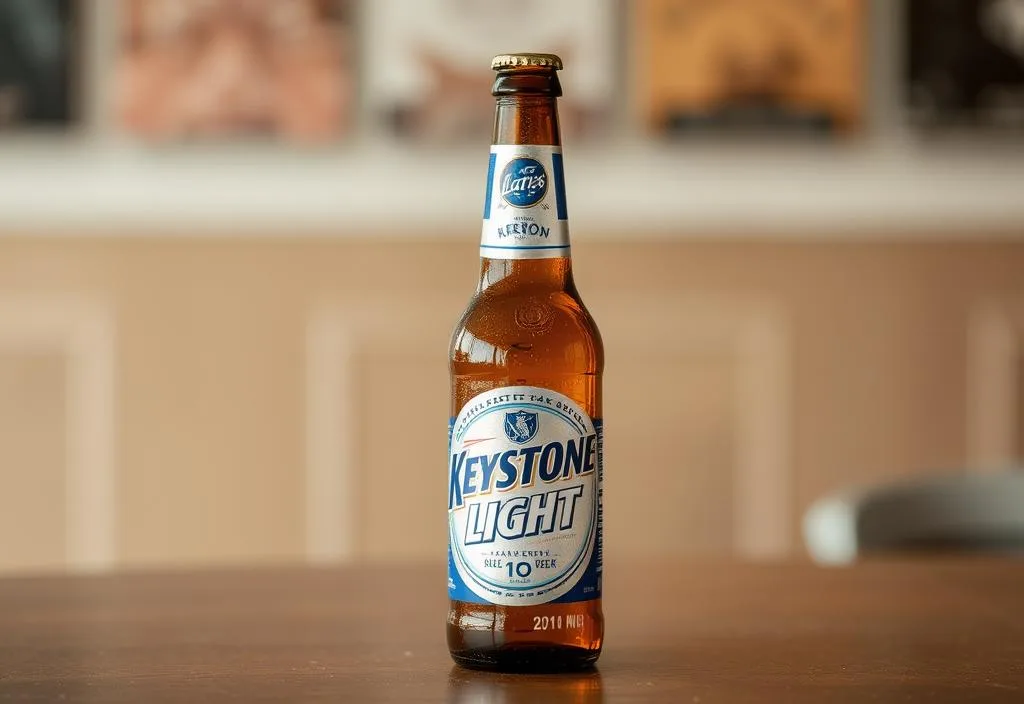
(526,59)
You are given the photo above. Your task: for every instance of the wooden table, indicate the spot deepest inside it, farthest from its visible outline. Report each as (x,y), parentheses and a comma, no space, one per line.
(691,633)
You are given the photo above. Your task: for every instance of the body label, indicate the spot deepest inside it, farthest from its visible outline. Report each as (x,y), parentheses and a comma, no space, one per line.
(524,210)
(524,499)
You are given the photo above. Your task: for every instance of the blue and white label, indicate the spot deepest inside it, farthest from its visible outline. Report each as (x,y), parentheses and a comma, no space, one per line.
(524,210)
(524,500)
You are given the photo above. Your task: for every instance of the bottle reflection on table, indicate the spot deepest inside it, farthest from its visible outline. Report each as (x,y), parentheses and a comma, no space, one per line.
(477,687)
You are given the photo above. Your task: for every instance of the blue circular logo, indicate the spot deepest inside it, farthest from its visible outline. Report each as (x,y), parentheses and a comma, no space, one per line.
(523,182)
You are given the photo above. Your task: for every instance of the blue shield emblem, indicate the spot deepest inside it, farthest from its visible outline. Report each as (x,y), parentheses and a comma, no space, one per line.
(520,426)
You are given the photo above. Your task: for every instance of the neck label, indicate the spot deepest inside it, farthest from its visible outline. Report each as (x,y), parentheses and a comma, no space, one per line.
(524,211)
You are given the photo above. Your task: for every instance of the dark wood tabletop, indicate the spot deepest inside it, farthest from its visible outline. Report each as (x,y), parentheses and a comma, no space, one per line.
(928,631)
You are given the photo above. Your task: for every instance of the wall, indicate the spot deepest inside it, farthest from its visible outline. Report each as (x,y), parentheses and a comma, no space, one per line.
(888,179)
(180,401)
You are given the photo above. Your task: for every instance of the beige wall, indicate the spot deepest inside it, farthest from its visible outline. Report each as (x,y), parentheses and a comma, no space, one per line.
(189,401)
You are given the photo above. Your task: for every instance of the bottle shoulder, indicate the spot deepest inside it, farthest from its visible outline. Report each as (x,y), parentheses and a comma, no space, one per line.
(525,327)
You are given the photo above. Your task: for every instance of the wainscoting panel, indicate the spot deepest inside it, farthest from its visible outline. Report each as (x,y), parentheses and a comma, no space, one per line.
(178,402)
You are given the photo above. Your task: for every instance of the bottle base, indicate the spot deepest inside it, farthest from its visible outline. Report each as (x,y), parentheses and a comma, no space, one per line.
(524,657)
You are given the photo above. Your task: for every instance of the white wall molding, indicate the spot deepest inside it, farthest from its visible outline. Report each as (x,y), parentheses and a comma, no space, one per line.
(335,335)
(671,192)
(82,330)
(994,348)
(755,333)
(330,464)
(763,496)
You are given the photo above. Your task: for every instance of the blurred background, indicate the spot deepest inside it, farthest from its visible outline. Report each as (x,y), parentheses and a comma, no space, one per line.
(235,236)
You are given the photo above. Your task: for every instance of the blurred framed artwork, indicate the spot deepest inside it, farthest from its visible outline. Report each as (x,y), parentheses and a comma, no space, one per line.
(965,64)
(38,46)
(428,62)
(232,68)
(737,66)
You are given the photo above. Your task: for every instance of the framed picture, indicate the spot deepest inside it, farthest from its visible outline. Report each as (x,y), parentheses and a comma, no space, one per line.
(428,62)
(38,47)
(230,68)
(729,66)
(965,64)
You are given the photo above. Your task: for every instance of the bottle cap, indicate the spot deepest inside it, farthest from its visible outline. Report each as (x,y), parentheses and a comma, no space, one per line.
(526,59)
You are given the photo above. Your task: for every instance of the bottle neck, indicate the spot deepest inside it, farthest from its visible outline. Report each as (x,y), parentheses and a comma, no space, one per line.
(531,121)
(527,119)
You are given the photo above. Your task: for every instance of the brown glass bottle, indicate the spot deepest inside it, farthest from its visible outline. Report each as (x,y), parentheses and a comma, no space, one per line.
(527,330)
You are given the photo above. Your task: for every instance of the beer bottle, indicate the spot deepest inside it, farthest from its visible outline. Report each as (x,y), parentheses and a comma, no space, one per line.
(525,459)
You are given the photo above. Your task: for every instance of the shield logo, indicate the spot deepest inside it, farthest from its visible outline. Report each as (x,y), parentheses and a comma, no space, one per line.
(520,426)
